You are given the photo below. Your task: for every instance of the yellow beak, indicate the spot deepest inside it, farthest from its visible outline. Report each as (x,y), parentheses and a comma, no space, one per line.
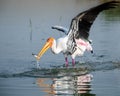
(47,45)
(43,50)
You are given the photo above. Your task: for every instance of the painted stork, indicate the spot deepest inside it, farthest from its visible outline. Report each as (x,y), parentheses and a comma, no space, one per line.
(76,41)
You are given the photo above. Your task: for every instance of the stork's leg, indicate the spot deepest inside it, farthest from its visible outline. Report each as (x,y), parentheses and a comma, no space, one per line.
(66,61)
(73,62)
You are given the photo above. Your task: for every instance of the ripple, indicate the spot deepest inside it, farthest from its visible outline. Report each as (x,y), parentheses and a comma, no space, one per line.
(61,70)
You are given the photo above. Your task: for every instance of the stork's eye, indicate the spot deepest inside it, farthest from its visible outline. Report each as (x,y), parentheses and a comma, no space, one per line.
(50,39)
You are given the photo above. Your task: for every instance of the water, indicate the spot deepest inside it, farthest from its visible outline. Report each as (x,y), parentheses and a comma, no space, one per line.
(24,28)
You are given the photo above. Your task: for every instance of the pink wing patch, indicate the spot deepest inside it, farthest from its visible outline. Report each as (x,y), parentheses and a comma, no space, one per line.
(80,42)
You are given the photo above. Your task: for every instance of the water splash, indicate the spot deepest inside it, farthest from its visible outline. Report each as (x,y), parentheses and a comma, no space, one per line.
(38,64)
(61,70)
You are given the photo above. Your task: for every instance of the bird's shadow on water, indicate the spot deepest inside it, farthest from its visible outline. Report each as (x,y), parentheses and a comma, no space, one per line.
(77,85)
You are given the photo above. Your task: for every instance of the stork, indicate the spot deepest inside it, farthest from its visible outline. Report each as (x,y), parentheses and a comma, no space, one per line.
(76,40)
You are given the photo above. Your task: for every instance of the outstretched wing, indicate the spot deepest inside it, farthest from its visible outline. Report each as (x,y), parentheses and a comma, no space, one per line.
(60,28)
(81,24)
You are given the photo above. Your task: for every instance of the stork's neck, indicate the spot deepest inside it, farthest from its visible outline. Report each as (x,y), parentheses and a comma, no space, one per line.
(55,48)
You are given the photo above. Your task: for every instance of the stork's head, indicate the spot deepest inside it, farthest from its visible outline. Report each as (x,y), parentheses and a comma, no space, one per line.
(47,45)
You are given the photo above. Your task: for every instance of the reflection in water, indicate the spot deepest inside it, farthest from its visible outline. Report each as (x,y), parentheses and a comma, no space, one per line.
(79,85)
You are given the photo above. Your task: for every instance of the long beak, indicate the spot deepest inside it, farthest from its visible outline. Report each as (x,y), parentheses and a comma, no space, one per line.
(43,50)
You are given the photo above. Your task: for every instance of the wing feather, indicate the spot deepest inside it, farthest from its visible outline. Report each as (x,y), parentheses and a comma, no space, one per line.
(81,24)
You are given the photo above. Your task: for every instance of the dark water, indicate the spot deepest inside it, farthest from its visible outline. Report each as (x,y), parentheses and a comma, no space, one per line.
(25,26)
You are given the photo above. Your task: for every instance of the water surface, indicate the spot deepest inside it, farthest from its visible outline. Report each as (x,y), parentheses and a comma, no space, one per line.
(24,28)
